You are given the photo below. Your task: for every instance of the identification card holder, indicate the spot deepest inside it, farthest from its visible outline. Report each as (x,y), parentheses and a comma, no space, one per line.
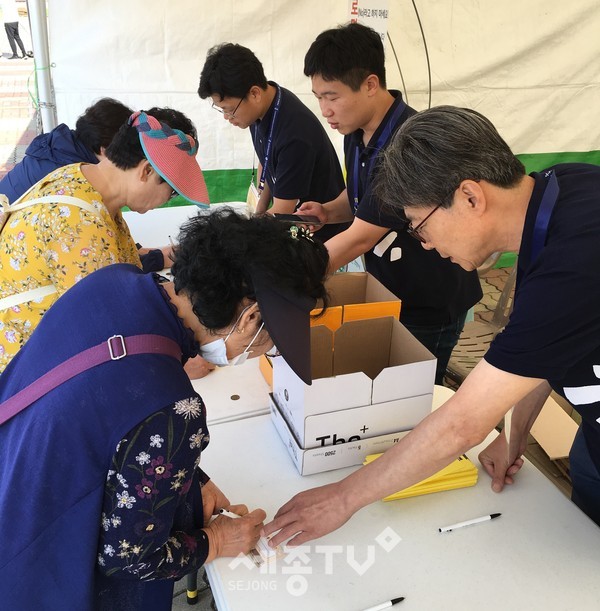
(252,197)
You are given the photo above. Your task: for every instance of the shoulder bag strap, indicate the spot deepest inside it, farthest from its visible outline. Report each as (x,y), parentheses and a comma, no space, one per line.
(25,296)
(42,291)
(51,199)
(56,199)
(112,349)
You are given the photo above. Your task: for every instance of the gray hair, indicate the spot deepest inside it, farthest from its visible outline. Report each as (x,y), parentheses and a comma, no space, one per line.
(434,151)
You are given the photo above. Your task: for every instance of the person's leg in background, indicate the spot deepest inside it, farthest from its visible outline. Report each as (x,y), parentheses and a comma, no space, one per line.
(11,39)
(440,341)
(12,32)
(585,478)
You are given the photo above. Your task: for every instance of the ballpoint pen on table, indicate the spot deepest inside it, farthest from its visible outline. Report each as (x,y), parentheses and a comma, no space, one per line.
(229,514)
(491,516)
(386,605)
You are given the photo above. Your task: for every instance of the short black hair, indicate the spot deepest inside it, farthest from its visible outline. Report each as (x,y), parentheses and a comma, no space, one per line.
(219,252)
(125,151)
(348,53)
(97,126)
(229,71)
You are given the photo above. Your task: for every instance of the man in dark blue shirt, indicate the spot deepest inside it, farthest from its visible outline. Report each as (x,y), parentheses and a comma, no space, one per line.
(467,196)
(297,161)
(347,69)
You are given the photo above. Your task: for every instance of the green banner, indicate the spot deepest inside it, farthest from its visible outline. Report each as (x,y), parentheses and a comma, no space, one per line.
(534,162)
(232,185)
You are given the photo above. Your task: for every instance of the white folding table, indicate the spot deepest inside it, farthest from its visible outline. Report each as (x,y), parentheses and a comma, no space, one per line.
(541,554)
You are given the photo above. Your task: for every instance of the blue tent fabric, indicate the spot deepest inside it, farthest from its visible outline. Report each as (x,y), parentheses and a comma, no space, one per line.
(46,153)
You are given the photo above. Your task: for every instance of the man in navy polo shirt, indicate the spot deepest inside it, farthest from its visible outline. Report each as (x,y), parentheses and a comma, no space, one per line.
(467,196)
(297,161)
(347,69)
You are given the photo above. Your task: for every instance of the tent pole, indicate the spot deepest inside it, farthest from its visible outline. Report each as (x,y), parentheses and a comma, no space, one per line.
(41,54)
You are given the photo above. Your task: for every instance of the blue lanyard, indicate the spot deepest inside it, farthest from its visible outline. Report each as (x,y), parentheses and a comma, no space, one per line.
(261,184)
(381,141)
(542,219)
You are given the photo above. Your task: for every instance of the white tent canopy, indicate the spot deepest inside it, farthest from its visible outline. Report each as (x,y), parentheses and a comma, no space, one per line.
(531,67)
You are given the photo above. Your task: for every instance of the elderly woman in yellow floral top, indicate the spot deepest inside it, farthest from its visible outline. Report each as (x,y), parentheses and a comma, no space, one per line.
(70,223)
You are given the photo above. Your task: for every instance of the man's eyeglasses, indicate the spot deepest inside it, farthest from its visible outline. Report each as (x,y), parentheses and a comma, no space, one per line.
(226,113)
(415,232)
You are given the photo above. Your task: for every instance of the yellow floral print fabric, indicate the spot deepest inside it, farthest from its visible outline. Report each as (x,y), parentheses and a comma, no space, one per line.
(55,244)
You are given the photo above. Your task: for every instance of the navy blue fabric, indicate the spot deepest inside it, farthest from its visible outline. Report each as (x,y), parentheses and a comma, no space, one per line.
(439,340)
(434,291)
(46,153)
(554,329)
(56,453)
(303,163)
(585,477)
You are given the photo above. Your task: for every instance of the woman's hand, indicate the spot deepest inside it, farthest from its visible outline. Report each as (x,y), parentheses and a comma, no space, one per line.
(213,499)
(232,536)
(198,367)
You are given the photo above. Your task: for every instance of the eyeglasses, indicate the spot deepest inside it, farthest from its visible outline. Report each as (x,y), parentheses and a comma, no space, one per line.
(415,232)
(226,113)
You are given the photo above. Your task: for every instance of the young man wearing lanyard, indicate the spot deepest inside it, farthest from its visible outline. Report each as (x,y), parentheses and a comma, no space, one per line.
(347,69)
(467,195)
(297,161)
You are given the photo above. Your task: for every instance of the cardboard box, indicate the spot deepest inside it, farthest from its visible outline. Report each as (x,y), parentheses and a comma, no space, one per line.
(554,430)
(366,421)
(265,364)
(364,362)
(356,296)
(316,460)
(353,296)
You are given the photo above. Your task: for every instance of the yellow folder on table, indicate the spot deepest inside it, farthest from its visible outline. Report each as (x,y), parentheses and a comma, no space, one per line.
(461,473)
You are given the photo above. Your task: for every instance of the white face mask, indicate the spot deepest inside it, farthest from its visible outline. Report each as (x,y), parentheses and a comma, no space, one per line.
(216,351)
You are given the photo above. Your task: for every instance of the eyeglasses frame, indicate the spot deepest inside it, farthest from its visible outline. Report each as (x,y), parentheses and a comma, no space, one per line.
(225,113)
(415,232)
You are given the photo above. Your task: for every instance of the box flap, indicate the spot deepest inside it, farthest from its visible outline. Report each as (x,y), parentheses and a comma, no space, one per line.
(376,301)
(357,295)
(406,348)
(375,291)
(321,352)
(411,370)
(377,309)
(349,287)
(362,345)
(266,368)
(331,318)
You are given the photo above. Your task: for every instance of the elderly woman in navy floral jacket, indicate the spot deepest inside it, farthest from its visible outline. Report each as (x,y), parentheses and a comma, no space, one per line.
(102,501)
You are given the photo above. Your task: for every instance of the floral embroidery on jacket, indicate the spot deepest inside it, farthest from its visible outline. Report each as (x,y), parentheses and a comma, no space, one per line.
(152,496)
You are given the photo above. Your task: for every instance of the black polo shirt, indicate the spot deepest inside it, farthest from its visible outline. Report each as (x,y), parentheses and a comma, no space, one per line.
(433,290)
(554,328)
(303,163)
